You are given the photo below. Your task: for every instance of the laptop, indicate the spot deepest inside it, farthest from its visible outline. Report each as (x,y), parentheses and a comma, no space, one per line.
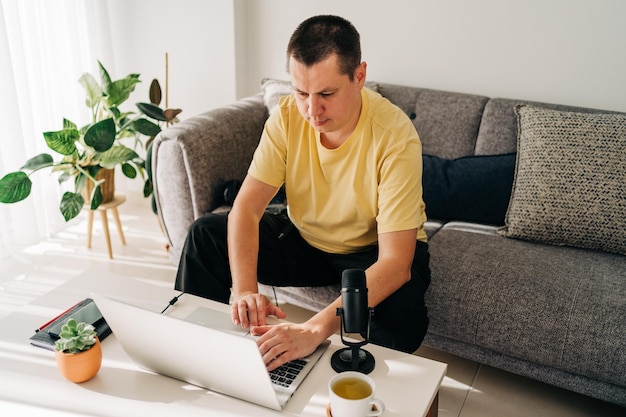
(204,349)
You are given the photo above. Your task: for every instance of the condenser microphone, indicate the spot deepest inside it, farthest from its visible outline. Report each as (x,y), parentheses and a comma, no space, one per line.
(355,317)
(354,301)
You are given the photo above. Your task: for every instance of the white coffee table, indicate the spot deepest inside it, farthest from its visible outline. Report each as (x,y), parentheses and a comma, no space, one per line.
(407,384)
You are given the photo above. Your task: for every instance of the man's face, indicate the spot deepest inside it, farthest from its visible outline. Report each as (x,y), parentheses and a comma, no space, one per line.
(326,98)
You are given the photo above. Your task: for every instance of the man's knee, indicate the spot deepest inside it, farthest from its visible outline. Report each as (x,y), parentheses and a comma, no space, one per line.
(209,224)
(400,322)
(400,333)
(206,233)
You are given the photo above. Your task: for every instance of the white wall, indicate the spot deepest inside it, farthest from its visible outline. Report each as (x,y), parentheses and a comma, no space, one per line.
(562,51)
(198,36)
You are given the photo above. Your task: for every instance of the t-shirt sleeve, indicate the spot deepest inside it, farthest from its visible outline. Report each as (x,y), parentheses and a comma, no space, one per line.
(400,190)
(269,159)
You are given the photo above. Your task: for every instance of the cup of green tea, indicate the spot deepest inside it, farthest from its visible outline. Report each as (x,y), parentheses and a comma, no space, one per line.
(352,395)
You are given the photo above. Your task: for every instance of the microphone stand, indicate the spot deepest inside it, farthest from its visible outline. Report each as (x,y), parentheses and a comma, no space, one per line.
(353,358)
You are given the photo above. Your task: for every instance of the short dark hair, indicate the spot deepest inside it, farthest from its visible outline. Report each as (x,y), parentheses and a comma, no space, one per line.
(318,37)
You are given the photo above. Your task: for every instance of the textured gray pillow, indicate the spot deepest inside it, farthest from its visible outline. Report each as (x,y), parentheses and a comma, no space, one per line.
(274,89)
(570,180)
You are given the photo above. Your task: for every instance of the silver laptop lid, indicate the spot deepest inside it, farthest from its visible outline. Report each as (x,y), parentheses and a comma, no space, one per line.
(208,358)
(286,380)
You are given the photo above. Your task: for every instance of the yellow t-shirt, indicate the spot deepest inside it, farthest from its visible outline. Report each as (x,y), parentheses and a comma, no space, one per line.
(341,199)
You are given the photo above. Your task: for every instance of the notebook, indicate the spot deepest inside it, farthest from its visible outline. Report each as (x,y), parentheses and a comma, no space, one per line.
(205,349)
(85,310)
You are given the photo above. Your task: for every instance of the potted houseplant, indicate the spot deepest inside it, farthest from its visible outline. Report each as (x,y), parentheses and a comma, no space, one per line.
(77,351)
(90,151)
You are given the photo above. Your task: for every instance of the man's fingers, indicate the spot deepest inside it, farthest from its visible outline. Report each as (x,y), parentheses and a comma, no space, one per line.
(243,312)
(234,314)
(275,356)
(251,310)
(256,311)
(277,311)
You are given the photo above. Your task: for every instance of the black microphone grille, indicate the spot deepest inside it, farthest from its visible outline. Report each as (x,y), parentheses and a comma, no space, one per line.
(353,278)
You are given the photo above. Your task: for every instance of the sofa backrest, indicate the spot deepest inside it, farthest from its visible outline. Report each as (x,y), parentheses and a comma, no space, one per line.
(448,123)
(453,125)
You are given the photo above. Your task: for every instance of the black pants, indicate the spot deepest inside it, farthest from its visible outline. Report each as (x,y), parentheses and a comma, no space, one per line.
(285,259)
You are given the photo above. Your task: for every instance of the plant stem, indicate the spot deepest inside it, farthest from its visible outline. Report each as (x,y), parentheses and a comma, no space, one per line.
(83,171)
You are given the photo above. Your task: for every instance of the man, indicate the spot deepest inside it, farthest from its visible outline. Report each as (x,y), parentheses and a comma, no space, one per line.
(351,165)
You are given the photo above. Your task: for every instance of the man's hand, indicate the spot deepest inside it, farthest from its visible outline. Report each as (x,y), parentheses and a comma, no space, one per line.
(285,342)
(251,309)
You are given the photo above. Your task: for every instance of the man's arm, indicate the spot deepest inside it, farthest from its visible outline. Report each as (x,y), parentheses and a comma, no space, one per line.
(282,343)
(249,307)
(392,269)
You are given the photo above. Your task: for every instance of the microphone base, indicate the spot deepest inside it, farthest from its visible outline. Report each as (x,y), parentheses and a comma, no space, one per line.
(341,361)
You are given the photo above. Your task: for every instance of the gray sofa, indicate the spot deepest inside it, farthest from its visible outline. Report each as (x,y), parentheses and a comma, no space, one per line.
(527,238)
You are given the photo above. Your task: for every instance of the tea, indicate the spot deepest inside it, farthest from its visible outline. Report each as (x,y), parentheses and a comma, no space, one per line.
(352,388)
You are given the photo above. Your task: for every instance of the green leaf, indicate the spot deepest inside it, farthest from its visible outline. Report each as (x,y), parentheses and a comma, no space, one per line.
(148,188)
(62,141)
(129,171)
(93,90)
(146,127)
(71,205)
(66,333)
(119,116)
(68,124)
(14,187)
(42,160)
(96,197)
(101,135)
(93,170)
(152,111)
(71,325)
(120,90)
(105,79)
(116,155)
(79,182)
(66,174)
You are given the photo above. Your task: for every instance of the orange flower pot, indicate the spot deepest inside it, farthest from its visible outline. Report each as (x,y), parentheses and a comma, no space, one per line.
(82,366)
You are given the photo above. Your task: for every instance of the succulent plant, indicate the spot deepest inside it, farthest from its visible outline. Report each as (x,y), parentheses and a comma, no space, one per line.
(75,337)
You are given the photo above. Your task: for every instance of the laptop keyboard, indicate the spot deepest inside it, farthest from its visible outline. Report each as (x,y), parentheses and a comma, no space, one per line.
(285,374)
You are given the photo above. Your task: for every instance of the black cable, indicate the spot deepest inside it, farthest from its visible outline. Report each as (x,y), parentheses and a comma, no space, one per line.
(175,300)
(275,298)
(172,302)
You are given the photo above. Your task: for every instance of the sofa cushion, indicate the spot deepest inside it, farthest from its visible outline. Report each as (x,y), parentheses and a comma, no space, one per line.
(471,188)
(549,305)
(498,128)
(447,123)
(569,186)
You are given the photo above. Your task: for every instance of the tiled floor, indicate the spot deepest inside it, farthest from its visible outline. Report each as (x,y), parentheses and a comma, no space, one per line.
(469,389)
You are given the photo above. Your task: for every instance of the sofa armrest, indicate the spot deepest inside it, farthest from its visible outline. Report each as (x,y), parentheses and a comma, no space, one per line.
(194,158)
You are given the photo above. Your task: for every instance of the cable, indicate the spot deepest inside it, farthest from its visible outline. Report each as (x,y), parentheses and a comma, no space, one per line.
(275,298)
(172,302)
(175,300)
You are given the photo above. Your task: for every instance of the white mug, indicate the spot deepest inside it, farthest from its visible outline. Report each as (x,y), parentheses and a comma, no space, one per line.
(352,395)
